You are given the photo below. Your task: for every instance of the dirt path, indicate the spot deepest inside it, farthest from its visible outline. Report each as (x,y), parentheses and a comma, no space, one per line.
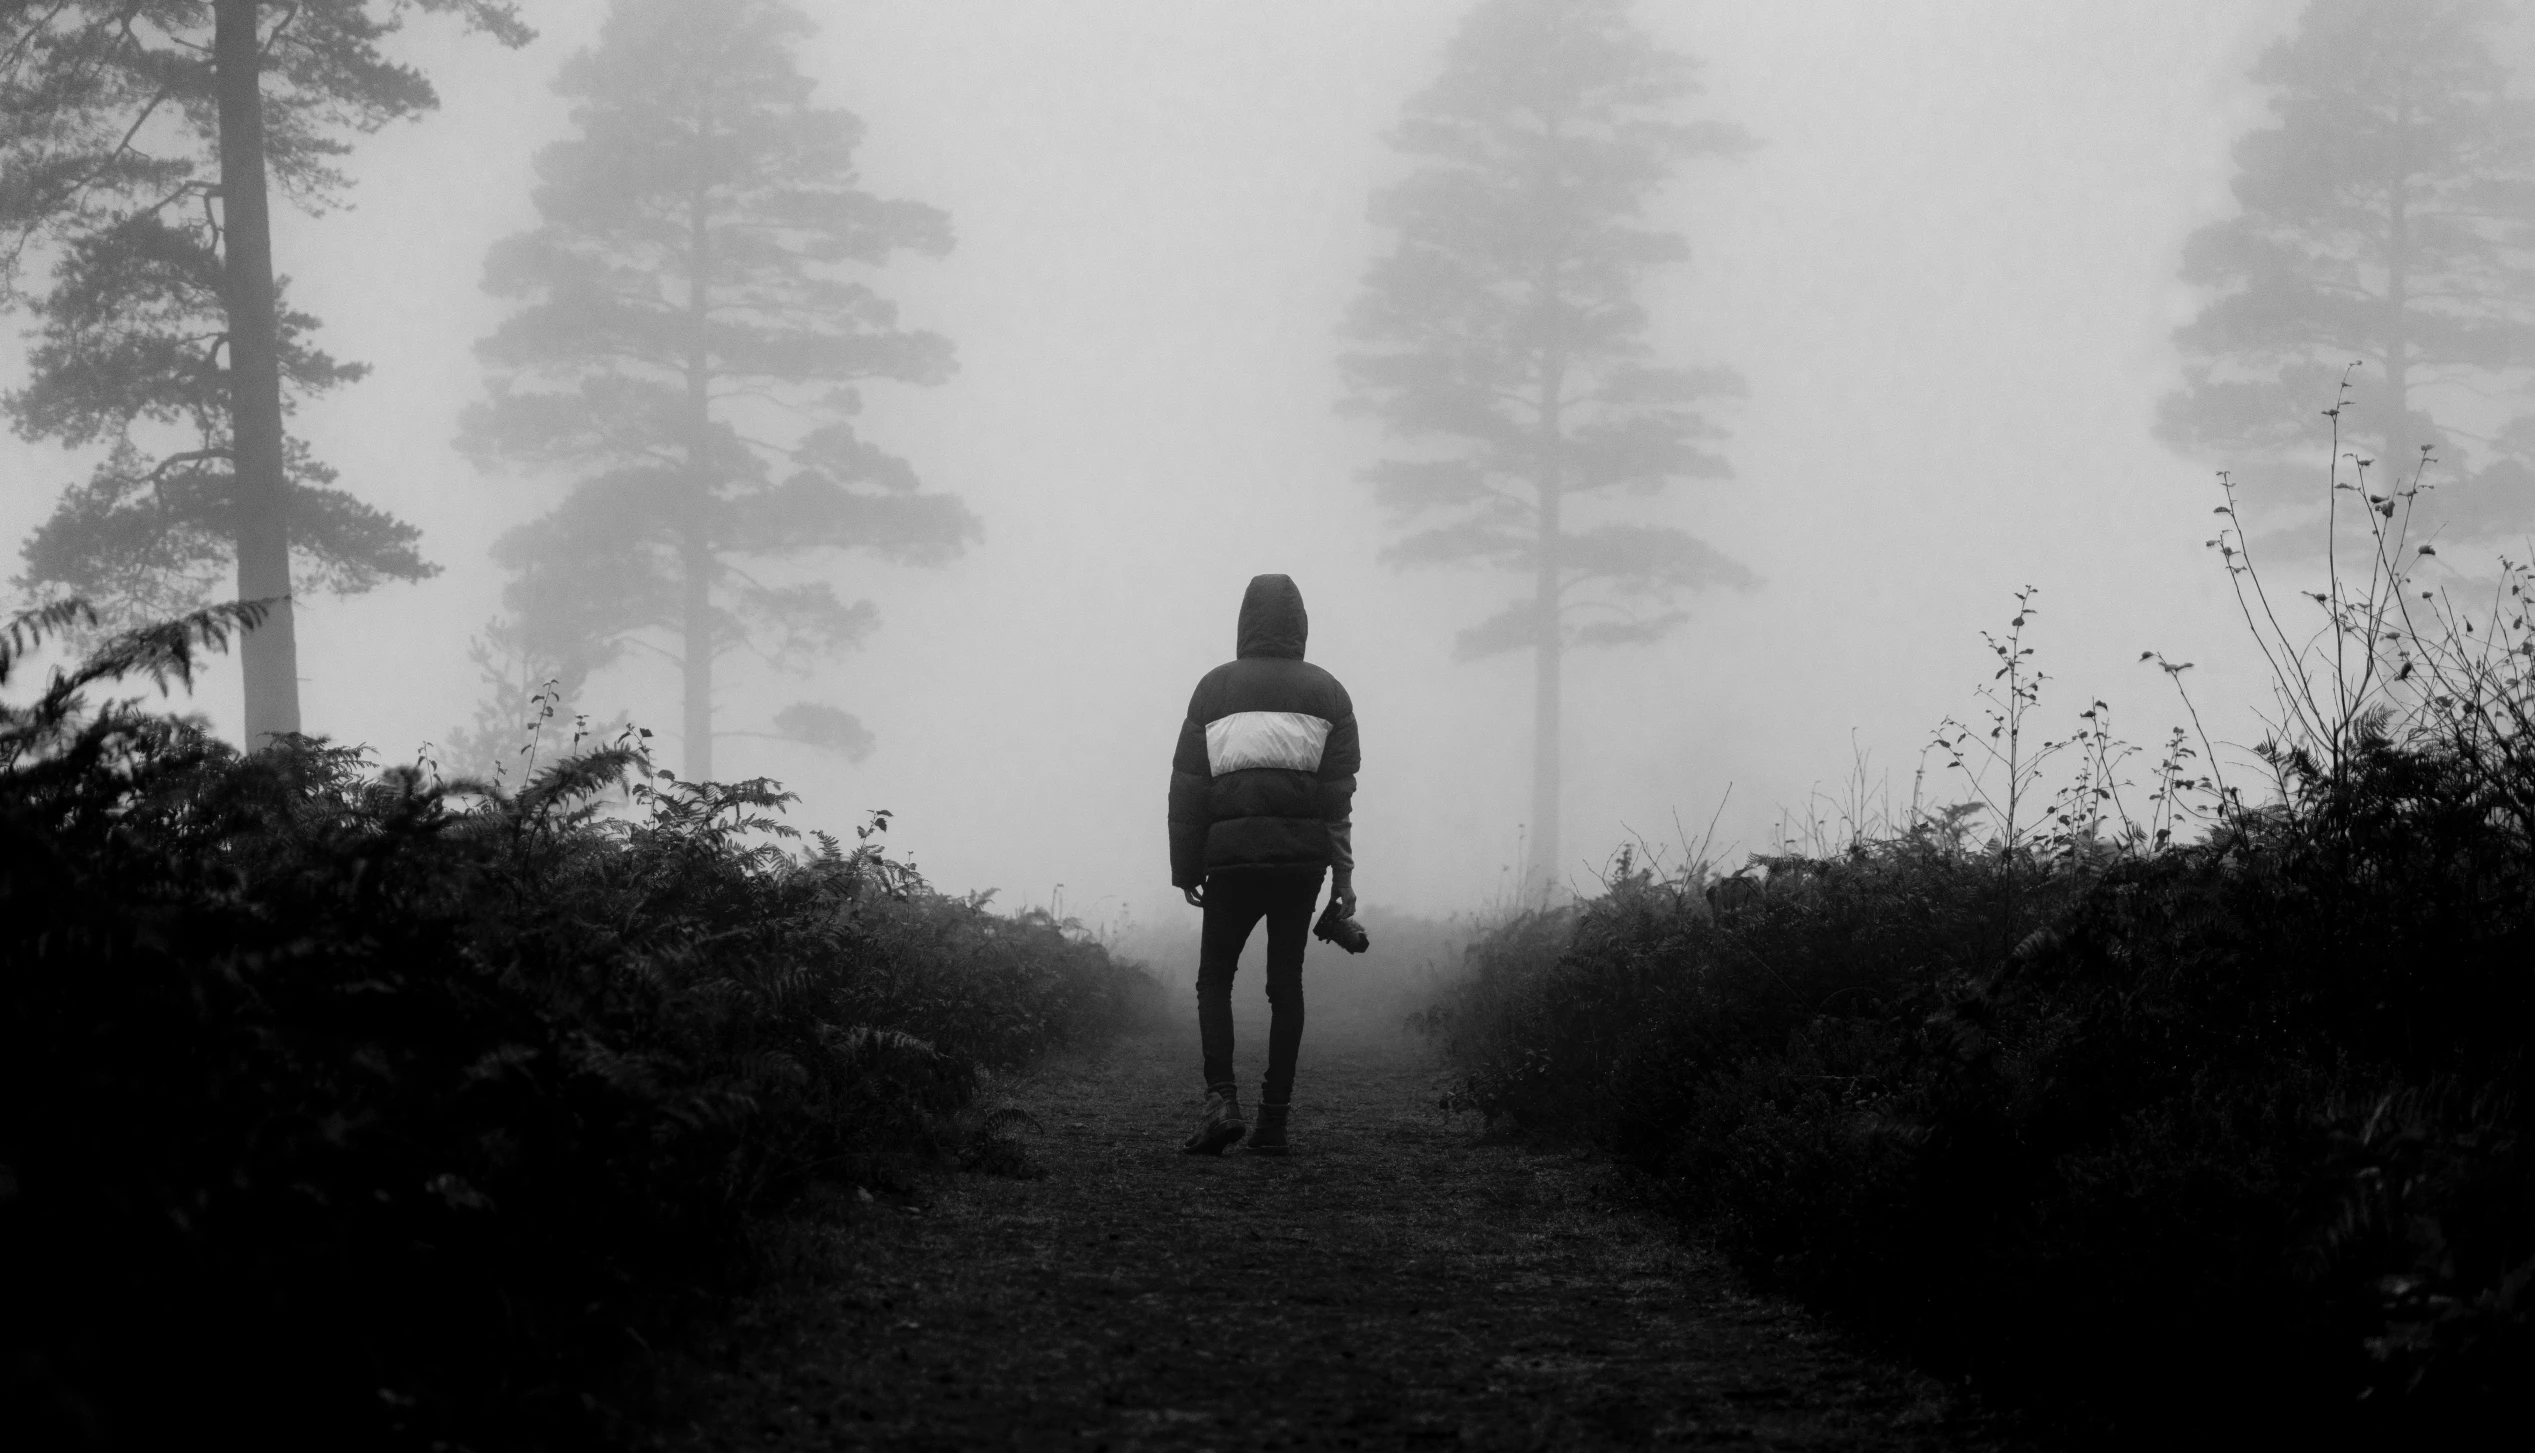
(1396,1283)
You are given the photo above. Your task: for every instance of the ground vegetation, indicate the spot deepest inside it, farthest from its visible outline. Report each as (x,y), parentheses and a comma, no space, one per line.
(2211,1117)
(347,1106)
(1395,1283)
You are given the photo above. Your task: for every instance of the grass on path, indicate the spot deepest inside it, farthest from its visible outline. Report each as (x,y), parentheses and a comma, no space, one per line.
(1400,1281)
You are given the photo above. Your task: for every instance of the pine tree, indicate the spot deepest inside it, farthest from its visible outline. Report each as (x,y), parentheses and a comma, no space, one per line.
(691,341)
(136,141)
(2384,219)
(529,711)
(1505,337)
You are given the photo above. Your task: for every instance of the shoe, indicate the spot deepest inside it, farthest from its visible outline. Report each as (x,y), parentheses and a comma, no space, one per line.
(1269,1138)
(1220,1128)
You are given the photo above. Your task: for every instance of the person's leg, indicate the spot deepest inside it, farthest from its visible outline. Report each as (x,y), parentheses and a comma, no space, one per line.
(1232,908)
(1288,909)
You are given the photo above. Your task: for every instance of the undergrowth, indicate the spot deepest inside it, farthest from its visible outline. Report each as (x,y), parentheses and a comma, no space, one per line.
(2154,1130)
(351,1105)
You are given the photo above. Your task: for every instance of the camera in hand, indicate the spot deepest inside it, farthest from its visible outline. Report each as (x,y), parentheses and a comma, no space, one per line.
(1339,926)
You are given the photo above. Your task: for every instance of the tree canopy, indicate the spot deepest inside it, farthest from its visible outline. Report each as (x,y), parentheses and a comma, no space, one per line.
(1504,339)
(136,141)
(109,106)
(129,349)
(2383,218)
(693,333)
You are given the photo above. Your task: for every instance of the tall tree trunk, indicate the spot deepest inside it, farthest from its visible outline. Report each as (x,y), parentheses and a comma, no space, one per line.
(695,558)
(2398,298)
(1549,639)
(695,553)
(270,652)
(1548,660)
(2391,431)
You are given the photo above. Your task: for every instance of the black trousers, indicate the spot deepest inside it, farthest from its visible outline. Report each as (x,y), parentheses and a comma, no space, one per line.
(1235,902)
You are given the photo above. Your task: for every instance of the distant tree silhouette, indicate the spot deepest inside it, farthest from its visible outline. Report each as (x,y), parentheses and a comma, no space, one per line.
(1504,337)
(529,710)
(691,336)
(136,138)
(2383,218)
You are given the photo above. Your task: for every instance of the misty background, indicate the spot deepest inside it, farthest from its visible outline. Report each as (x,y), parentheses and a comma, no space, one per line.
(1947,274)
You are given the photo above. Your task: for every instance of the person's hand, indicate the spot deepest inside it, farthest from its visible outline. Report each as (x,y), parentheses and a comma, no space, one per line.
(1344,890)
(1196,896)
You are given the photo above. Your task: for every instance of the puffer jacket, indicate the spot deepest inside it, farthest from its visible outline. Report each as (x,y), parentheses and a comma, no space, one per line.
(1265,774)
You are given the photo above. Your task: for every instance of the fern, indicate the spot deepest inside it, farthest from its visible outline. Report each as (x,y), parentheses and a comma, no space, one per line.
(453,1072)
(29,630)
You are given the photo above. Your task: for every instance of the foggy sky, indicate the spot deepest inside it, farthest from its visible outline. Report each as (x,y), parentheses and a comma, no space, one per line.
(1947,274)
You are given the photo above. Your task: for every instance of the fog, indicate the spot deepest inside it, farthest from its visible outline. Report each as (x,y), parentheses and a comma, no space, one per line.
(1947,273)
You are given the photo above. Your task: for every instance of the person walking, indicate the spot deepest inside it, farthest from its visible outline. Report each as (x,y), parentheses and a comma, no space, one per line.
(1261,790)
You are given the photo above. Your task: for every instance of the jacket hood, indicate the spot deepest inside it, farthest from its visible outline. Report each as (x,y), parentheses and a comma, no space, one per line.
(1272,619)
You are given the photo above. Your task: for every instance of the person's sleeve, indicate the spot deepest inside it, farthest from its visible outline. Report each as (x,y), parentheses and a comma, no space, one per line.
(1340,757)
(1189,779)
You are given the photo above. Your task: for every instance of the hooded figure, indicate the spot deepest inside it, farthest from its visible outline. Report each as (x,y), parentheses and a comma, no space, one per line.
(1261,790)
(1265,774)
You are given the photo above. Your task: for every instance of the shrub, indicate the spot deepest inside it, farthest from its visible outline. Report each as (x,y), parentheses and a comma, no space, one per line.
(2202,1141)
(344,1102)
(2149,1130)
